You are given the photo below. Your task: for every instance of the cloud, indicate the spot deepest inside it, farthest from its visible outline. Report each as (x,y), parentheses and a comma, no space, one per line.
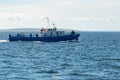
(113,19)
(67,13)
(15,18)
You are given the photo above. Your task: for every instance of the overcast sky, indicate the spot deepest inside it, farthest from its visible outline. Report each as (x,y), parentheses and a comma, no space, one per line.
(84,15)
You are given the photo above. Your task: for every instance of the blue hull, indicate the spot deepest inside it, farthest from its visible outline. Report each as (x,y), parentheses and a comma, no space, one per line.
(46,39)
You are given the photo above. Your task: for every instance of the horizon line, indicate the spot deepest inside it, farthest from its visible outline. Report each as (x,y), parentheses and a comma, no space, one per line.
(63,29)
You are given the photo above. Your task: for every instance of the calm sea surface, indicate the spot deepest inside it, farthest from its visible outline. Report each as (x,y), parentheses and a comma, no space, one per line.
(95,57)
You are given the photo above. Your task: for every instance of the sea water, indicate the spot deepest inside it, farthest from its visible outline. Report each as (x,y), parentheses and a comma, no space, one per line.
(96,56)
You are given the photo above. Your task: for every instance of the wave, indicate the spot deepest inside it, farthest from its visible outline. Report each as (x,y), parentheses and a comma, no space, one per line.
(4,40)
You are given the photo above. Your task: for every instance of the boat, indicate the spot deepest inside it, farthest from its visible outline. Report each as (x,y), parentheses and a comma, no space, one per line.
(46,35)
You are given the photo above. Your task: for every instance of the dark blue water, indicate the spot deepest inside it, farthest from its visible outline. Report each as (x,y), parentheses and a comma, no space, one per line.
(95,57)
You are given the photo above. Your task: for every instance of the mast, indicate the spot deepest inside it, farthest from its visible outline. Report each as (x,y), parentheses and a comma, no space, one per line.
(48,22)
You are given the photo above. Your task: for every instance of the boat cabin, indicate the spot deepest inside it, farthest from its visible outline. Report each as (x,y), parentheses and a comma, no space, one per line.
(51,32)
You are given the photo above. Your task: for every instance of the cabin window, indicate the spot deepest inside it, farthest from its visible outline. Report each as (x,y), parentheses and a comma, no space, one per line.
(30,35)
(36,35)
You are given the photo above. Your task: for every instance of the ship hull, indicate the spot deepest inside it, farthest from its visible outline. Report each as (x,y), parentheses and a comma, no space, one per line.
(46,39)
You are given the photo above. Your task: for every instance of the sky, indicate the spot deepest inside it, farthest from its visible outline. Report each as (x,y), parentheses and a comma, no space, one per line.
(83,15)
